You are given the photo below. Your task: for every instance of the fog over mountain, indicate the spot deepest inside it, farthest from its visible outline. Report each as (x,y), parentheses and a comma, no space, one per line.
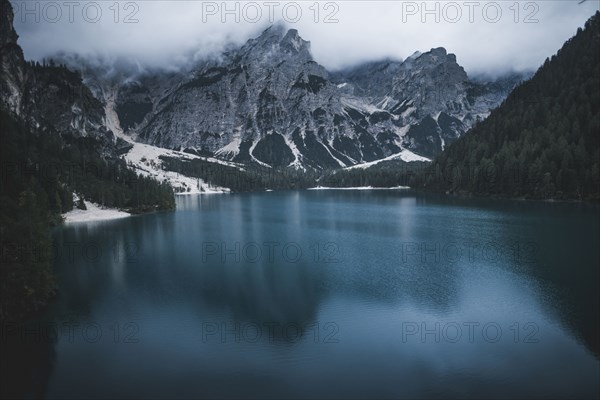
(488,37)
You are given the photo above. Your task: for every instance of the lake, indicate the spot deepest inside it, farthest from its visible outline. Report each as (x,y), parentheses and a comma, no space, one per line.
(343,294)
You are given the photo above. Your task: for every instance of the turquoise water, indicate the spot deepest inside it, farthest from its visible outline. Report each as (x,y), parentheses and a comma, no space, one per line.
(347,294)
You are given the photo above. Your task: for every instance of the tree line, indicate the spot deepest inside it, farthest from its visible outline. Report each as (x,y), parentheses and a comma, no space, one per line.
(40,172)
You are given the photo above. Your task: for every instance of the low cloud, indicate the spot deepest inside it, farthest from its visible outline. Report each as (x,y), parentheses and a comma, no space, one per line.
(487,37)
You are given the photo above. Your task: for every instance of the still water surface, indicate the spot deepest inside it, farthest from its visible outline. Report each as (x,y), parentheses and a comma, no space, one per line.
(325,294)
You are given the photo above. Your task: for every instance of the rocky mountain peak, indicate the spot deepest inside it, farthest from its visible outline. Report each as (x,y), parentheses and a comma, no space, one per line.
(275,44)
(7,31)
(442,64)
(438,52)
(293,43)
(433,58)
(271,35)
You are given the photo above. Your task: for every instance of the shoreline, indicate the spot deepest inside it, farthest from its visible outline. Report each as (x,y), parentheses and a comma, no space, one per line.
(93,213)
(359,188)
(469,195)
(97,213)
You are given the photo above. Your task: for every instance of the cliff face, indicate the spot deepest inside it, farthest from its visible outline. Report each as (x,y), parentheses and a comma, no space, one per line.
(269,102)
(46,96)
(12,62)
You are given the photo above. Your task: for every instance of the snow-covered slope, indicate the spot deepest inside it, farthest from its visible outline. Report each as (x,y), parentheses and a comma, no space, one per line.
(145,159)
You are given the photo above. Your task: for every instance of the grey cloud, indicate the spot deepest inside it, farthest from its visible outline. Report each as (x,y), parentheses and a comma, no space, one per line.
(174,33)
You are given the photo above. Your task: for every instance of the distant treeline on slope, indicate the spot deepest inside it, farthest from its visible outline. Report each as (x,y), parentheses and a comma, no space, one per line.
(40,173)
(543,142)
(253,177)
(392,173)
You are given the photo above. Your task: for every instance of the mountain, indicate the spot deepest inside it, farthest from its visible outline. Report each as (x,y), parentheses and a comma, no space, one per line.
(47,96)
(270,103)
(431,94)
(543,141)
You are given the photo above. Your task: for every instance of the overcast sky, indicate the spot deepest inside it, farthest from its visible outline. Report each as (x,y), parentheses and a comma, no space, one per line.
(487,37)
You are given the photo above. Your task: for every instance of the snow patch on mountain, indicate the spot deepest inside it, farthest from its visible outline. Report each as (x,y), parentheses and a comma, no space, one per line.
(405,155)
(251,151)
(230,150)
(297,164)
(360,104)
(341,163)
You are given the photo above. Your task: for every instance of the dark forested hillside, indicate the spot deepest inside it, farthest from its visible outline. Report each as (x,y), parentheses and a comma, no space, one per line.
(543,142)
(53,143)
(385,174)
(40,173)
